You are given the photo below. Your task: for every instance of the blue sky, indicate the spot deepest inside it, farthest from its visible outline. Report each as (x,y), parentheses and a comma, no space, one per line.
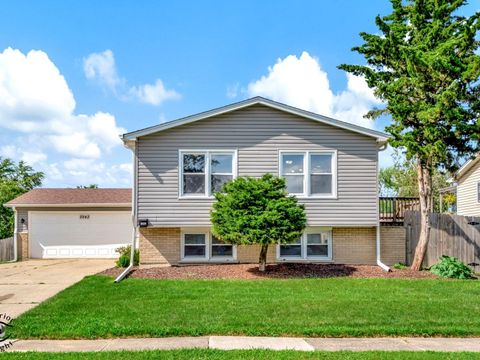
(105,66)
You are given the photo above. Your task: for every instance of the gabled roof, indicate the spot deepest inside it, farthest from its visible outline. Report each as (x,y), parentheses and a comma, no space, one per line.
(381,137)
(74,197)
(467,166)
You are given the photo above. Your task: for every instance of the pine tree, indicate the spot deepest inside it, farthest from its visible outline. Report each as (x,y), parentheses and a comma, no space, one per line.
(423,65)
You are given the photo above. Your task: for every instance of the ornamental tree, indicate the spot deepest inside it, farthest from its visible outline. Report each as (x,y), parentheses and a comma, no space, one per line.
(257,211)
(423,64)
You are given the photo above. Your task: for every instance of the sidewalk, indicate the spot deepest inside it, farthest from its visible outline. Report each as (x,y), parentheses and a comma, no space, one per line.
(243,342)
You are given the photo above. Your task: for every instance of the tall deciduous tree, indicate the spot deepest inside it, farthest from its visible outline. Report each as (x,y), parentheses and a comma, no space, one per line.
(257,211)
(15,179)
(401,180)
(423,64)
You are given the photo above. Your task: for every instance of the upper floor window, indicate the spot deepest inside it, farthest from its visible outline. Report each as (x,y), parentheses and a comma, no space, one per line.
(203,172)
(309,173)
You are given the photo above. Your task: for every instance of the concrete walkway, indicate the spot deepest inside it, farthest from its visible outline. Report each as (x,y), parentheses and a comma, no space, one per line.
(242,342)
(25,284)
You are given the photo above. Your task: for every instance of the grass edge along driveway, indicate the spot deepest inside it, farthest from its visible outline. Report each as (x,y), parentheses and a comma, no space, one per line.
(335,307)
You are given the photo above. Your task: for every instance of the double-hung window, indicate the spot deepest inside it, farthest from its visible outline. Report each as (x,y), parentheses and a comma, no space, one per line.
(203,172)
(315,244)
(478,191)
(309,173)
(202,245)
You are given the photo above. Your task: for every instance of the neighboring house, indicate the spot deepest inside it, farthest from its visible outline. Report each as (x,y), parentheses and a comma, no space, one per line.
(72,223)
(330,165)
(468,188)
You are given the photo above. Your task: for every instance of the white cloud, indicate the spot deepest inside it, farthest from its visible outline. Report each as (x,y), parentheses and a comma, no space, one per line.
(37,107)
(36,99)
(32,90)
(301,82)
(154,94)
(101,67)
(32,158)
(8,151)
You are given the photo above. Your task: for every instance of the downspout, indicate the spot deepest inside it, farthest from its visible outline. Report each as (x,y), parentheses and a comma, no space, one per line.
(15,230)
(378,248)
(134,217)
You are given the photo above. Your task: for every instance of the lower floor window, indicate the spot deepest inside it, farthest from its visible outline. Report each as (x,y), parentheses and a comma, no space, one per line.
(314,244)
(204,246)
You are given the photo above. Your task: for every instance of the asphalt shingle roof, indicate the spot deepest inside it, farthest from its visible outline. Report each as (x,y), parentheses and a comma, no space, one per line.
(73,196)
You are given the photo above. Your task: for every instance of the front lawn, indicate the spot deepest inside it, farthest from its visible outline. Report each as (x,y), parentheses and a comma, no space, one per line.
(204,354)
(97,308)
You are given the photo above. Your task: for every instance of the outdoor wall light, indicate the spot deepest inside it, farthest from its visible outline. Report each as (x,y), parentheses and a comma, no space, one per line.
(22,221)
(143,222)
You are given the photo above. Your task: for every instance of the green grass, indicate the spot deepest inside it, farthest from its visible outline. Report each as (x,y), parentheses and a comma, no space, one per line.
(195,354)
(98,308)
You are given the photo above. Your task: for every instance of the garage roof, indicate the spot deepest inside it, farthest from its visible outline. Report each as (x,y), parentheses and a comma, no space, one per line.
(74,197)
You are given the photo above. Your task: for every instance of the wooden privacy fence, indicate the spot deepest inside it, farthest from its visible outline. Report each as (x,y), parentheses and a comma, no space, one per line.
(6,249)
(452,235)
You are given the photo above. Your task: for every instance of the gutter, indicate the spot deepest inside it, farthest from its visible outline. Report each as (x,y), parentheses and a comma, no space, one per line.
(377,242)
(134,218)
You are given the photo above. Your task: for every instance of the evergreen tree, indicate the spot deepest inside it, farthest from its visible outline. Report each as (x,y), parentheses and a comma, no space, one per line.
(423,64)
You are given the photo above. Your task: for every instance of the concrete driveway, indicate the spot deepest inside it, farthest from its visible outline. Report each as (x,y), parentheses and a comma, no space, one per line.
(25,284)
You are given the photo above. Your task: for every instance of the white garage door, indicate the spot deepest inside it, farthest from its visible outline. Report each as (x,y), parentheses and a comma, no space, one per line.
(78,234)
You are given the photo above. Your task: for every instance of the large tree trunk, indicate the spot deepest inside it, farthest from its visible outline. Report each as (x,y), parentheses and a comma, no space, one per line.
(424,172)
(262,261)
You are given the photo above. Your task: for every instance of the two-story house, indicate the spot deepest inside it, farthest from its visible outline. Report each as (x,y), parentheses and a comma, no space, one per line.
(330,165)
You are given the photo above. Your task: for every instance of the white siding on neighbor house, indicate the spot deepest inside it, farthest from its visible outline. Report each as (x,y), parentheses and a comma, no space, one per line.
(257,133)
(467,192)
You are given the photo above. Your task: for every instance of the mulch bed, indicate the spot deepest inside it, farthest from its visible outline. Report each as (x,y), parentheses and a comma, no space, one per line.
(277,271)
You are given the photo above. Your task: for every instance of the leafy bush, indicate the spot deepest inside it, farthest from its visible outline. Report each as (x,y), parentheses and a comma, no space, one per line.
(399,266)
(451,267)
(124,259)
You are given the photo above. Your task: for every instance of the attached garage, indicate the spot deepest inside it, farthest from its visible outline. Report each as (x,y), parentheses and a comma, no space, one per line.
(72,223)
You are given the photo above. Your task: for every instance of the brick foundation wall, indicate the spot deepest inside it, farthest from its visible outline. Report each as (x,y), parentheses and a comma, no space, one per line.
(250,253)
(22,246)
(393,244)
(159,245)
(351,245)
(354,245)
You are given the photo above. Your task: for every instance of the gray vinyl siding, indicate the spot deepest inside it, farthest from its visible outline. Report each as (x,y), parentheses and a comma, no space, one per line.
(22,214)
(257,133)
(467,193)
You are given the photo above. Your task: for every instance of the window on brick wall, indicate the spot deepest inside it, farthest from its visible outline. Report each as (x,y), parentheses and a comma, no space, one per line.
(201,245)
(315,244)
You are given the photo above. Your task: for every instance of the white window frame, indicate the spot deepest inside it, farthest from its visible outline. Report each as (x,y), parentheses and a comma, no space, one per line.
(304,173)
(304,257)
(478,192)
(208,248)
(307,171)
(208,153)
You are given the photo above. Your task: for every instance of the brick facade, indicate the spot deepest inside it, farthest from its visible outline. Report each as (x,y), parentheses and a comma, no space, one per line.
(393,244)
(351,245)
(22,246)
(159,245)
